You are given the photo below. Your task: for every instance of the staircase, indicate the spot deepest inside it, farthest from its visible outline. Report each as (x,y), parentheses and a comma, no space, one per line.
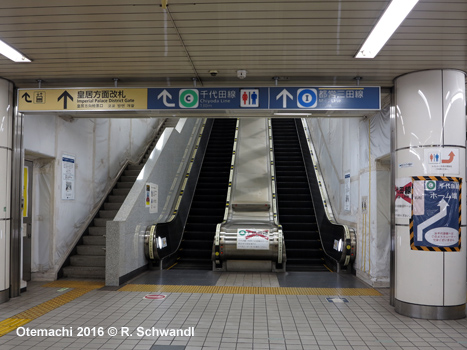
(208,205)
(87,260)
(295,206)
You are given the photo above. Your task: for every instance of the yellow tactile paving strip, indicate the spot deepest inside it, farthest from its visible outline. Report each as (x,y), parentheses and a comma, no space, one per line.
(79,288)
(249,290)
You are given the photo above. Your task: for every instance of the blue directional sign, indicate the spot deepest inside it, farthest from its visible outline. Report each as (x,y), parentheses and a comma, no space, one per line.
(325,98)
(207,98)
(298,98)
(200,98)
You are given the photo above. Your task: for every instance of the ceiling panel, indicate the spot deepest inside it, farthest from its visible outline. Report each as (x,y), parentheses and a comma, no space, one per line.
(88,42)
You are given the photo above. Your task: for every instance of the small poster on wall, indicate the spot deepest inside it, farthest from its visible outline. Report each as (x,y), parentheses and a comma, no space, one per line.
(152,197)
(435,223)
(403,198)
(347,191)
(68,177)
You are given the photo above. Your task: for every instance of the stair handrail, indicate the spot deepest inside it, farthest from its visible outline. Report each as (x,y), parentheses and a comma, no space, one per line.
(97,207)
(344,250)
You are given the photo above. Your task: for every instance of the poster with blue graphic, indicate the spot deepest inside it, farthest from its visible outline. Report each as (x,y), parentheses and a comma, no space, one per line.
(436,213)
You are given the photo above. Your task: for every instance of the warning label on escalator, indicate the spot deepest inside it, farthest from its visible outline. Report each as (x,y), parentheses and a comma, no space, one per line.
(255,239)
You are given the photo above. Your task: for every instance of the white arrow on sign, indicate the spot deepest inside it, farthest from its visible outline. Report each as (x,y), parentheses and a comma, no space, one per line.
(442,213)
(164,94)
(284,94)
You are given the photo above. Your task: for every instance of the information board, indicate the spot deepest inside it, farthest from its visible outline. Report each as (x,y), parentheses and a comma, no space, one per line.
(253,239)
(436,214)
(200,98)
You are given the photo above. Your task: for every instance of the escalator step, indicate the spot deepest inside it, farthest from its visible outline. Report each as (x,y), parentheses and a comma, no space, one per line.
(299,235)
(290,219)
(295,206)
(208,205)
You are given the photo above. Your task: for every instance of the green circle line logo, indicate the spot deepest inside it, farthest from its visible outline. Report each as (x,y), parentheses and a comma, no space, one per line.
(242,232)
(189,98)
(430,185)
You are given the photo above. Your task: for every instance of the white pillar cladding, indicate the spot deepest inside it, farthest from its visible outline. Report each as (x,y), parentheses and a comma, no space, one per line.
(6,144)
(429,239)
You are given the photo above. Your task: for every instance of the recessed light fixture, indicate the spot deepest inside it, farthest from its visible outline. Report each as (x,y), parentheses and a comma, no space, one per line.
(386,26)
(9,52)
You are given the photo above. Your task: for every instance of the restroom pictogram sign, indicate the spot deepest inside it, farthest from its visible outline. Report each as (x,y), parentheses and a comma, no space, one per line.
(441,161)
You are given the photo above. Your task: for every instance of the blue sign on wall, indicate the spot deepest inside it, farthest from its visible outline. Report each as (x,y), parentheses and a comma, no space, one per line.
(325,98)
(296,98)
(207,98)
(436,213)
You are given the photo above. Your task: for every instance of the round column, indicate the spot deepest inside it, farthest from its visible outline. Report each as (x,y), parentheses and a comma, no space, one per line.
(430,217)
(6,144)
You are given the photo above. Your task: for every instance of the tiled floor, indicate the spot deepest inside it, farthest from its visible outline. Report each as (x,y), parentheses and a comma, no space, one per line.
(226,321)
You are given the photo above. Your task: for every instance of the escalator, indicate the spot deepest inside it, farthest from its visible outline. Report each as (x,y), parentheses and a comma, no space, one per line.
(208,205)
(295,205)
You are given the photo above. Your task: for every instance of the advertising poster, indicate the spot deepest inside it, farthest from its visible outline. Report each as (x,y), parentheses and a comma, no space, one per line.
(68,177)
(435,223)
(403,198)
(347,191)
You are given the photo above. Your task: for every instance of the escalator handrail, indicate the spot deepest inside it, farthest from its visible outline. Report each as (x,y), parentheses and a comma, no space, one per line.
(335,232)
(216,244)
(275,210)
(171,231)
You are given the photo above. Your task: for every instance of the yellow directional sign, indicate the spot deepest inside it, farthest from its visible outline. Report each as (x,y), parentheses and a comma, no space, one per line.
(85,99)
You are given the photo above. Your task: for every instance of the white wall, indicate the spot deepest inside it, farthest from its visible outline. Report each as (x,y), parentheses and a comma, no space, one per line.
(6,154)
(101,146)
(342,145)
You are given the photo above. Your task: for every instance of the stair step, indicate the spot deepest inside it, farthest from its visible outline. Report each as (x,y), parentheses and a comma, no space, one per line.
(121,191)
(125,178)
(96,231)
(112,206)
(116,199)
(107,213)
(84,272)
(94,240)
(121,184)
(101,222)
(131,172)
(138,167)
(90,250)
(88,260)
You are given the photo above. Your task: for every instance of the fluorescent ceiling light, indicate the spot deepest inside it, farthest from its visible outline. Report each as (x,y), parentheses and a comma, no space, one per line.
(387,25)
(299,114)
(9,52)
